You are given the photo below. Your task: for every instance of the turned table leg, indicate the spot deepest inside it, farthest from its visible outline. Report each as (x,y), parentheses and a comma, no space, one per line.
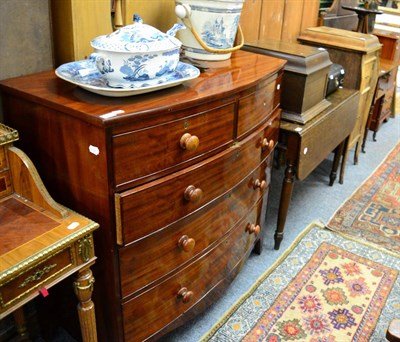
(336,162)
(344,159)
(83,287)
(286,195)
(20,323)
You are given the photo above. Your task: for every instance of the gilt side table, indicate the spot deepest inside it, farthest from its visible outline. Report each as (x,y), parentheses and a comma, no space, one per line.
(42,242)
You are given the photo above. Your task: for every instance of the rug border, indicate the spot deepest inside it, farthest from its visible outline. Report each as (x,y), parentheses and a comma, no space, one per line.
(363,183)
(314,224)
(245,295)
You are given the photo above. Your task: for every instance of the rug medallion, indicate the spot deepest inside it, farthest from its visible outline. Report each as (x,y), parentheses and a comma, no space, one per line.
(373,211)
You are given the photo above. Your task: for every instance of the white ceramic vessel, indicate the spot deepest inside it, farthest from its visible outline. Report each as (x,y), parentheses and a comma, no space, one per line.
(136,52)
(85,75)
(211,27)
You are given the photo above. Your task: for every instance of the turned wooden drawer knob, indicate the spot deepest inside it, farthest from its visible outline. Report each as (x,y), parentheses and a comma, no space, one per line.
(186,243)
(253,229)
(268,144)
(259,184)
(193,194)
(189,142)
(185,295)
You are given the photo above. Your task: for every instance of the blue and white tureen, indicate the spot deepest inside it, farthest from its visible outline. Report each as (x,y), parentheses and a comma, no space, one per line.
(136,52)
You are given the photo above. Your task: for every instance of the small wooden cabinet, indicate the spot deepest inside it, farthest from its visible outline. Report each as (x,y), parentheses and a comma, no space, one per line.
(389,37)
(384,101)
(175,178)
(358,53)
(390,41)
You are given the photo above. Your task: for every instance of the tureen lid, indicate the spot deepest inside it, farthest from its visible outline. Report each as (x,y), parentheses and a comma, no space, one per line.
(138,37)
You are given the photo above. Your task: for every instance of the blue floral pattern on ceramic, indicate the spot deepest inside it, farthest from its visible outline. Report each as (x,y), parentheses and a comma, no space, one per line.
(85,74)
(217,35)
(138,37)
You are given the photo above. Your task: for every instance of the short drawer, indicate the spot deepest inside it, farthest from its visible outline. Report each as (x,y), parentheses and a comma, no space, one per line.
(255,108)
(5,183)
(149,259)
(369,72)
(3,159)
(178,293)
(35,278)
(149,151)
(148,208)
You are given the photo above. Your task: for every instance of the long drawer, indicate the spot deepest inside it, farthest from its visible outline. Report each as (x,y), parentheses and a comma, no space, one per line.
(170,144)
(181,193)
(149,259)
(188,286)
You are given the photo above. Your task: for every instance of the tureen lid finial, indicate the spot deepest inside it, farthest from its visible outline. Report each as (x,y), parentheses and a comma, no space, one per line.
(137,18)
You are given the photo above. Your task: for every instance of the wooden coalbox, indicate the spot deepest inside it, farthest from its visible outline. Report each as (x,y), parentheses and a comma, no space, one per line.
(304,78)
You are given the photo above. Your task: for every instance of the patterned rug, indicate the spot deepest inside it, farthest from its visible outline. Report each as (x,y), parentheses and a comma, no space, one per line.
(373,211)
(325,288)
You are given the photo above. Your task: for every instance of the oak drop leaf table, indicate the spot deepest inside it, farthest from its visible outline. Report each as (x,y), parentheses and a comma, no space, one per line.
(306,146)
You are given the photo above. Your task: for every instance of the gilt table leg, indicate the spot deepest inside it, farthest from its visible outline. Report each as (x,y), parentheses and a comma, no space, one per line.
(286,195)
(83,287)
(20,322)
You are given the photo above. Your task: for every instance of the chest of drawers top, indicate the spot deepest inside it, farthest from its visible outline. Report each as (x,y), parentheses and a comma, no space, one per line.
(221,78)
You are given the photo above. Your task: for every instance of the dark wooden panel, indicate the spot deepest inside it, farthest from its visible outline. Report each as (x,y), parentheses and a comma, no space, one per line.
(161,304)
(148,259)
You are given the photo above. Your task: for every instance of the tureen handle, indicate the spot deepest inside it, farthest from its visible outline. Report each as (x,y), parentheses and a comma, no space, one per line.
(172,31)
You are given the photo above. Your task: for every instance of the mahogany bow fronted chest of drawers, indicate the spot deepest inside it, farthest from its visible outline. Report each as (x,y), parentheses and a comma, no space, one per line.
(175,178)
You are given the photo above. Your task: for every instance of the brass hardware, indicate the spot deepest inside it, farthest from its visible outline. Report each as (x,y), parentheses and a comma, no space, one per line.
(78,287)
(7,134)
(84,248)
(37,275)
